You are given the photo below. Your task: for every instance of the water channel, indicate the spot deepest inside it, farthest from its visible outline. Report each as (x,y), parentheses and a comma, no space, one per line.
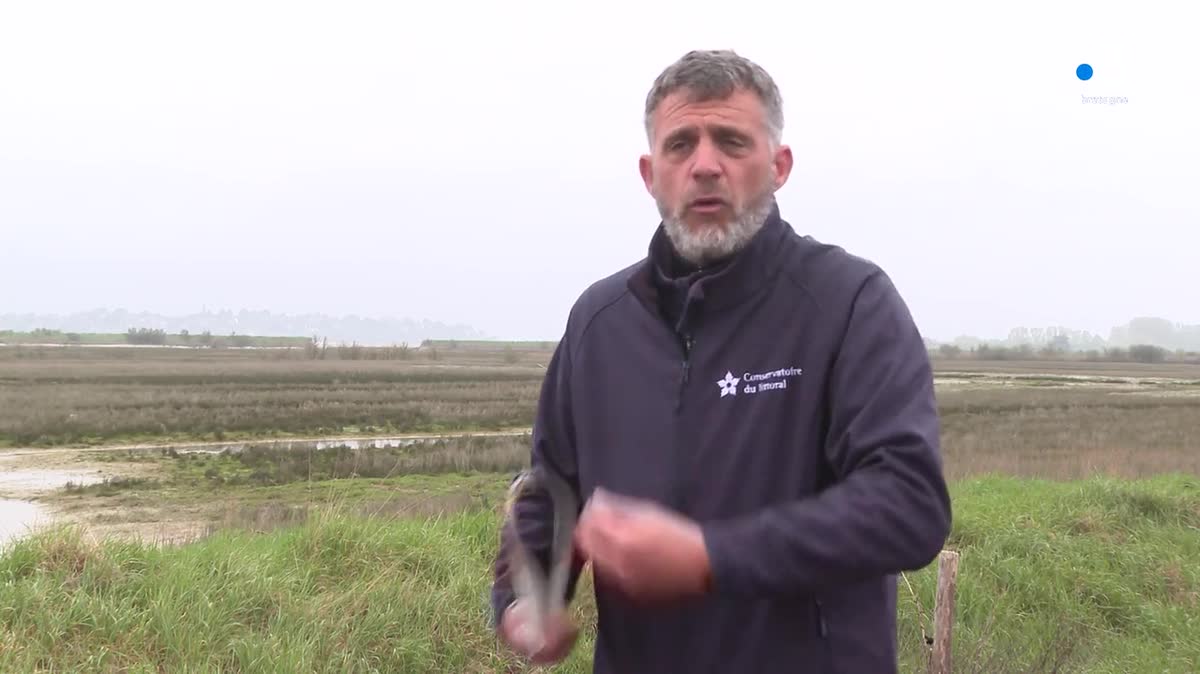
(20,516)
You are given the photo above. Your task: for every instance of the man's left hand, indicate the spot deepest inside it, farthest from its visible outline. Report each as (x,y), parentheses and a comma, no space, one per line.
(649,553)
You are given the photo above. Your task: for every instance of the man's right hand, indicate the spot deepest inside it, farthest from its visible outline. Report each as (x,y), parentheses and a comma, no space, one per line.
(551,647)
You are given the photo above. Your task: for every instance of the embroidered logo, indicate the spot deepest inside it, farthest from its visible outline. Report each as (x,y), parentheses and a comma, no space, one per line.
(728,385)
(751,383)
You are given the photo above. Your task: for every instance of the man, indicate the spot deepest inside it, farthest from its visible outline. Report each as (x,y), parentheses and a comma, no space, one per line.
(749,415)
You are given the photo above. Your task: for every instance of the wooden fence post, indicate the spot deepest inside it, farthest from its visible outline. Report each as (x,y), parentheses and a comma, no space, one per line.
(940,661)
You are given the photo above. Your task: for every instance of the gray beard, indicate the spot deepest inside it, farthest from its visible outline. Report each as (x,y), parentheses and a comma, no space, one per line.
(718,241)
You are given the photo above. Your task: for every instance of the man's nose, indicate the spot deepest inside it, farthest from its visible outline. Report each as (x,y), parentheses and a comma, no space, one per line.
(707,161)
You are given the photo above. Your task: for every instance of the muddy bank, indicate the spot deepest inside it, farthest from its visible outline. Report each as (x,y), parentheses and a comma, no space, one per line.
(180,492)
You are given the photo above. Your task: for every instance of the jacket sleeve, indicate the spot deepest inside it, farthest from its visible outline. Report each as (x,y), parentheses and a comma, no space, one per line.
(552,450)
(887,509)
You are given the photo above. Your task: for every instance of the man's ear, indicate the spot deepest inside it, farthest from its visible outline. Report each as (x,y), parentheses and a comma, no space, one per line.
(646,166)
(783,165)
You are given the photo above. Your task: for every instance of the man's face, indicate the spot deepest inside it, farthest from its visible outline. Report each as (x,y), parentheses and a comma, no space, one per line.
(713,172)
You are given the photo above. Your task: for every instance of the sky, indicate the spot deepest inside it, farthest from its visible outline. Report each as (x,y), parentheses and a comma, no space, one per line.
(477,162)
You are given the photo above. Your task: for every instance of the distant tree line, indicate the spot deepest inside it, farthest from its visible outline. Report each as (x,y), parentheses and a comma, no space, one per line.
(160,337)
(1137,353)
(319,349)
(152,336)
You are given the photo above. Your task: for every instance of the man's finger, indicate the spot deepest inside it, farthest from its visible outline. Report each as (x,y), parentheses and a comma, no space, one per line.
(616,505)
(618,501)
(593,535)
(602,517)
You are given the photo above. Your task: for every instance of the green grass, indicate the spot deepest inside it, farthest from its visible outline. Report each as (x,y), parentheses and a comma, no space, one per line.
(339,595)
(1101,571)
(1102,574)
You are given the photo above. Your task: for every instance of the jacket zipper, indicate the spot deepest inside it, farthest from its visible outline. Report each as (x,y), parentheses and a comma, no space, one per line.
(822,628)
(679,499)
(686,369)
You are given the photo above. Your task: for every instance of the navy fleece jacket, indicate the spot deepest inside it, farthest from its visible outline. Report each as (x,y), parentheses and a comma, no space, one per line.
(787,405)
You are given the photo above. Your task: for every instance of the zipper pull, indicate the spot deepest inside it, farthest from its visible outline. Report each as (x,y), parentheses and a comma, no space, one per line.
(686,367)
(687,357)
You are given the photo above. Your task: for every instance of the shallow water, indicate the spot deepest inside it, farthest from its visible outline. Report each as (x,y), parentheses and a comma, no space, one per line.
(304,445)
(377,443)
(42,480)
(18,518)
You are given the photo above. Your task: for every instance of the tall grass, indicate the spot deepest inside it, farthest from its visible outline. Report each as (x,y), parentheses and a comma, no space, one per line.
(338,595)
(1095,576)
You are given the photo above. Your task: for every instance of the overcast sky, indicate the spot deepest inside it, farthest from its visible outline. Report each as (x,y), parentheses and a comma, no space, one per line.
(477,162)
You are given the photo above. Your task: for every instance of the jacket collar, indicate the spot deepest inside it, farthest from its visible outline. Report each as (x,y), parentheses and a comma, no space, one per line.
(720,287)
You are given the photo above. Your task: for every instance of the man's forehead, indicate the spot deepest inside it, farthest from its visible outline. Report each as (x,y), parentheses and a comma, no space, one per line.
(681,108)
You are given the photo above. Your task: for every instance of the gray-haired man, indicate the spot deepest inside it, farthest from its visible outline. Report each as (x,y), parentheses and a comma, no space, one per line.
(749,413)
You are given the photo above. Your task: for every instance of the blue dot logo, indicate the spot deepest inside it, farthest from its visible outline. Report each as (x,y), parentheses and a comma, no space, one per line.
(1084,72)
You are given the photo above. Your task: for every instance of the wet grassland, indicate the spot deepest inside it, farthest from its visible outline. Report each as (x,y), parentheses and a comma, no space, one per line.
(1076,492)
